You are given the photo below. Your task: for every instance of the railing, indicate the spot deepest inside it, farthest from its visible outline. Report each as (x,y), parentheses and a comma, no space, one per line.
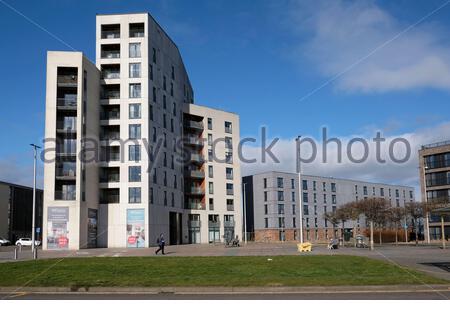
(61,172)
(110,198)
(137,34)
(66,126)
(229,176)
(434,145)
(110,136)
(111,95)
(110,54)
(229,224)
(229,160)
(438,182)
(68,79)
(194,141)
(194,223)
(230,207)
(110,34)
(197,158)
(213,224)
(194,174)
(194,124)
(110,115)
(230,192)
(195,206)
(61,150)
(110,177)
(111,74)
(228,130)
(64,102)
(66,196)
(111,157)
(195,190)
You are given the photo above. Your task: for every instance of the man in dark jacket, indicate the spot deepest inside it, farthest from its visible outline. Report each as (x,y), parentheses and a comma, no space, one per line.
(161,243)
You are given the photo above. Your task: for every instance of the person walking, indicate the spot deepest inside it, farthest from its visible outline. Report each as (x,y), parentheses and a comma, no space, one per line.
(161,243)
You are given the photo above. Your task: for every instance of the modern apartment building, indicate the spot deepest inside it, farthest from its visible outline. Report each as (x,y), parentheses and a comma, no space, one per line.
(129,146)
(16,211)
(434,160)
(272,204)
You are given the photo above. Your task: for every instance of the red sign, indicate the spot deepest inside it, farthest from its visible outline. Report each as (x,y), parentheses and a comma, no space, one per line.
(132,240)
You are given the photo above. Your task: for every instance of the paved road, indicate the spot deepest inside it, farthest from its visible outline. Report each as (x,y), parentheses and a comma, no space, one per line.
(442,295)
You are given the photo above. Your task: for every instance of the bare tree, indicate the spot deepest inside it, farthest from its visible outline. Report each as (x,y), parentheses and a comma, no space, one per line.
(347,212)
(372,209)
(395,215)
(416,210)
(332,217)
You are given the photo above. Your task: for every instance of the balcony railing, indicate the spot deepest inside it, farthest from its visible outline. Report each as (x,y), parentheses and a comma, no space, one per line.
(66,151)
(66,126)
(194,174)
(228,130)
(68,80)
(194,224)
(110,54)
(194,124)
(66,196)
(194,141)
(111,74)
(195,206)
(111,95)
(111,157)
(65,173)
(229,176)
(213,224)
(230,207)
(110,198)
(110,115)
(195,190)
(66,102)
(110,136)
(110,177)
(196,158)
(230,192)
(228,224)
(110,34)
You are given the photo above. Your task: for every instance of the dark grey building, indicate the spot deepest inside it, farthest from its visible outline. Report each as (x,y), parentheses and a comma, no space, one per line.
(16,203)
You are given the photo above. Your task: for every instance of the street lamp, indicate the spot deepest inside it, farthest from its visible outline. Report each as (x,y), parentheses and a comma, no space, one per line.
(427,221)
(33,219)
(297,140)
(245,215)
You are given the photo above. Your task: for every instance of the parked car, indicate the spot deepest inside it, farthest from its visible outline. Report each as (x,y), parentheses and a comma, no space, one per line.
(26,242)
(4,242)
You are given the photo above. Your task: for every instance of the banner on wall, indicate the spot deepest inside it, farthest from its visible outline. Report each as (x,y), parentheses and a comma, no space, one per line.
(135,228)
(92,228)
(57,228)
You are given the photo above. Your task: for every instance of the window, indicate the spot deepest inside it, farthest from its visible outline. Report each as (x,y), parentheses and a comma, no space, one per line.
(281,222)
(280,208)
(150,70)
(211,204)
(266,209)
(164,83)
(154,55)
(155,134)
(305,197)
(165,179)
(155,176)
(210,139)
(135,70)
(229,173)
(230,205)
(266,223)
(151,112)
(280,196)
(171,89)
(373,191)
(175,183)
(173,73)
(228,143)
(324,186)
(365,190)
(333,199)
(292,183)
(228,128)
(210,172)
(265,183)
(135,90)
(136,30)
(293,209)
(134,131)
(324,198)
(305,209)
(314,185)
(356,189)
(293,196)
(172,200)
(211,188)
(230,189)
(151,195)
(164,121)
(134,153)
(315,197)
(210,155)
(174,109)
(411,194)
(333,187)
(135,50)
(209,124)
(154,94)
(164,102)
(382,192)
(280,182)
(265,196)
(229,157)
(305,184)
(397,194)
(165,198)
(134,174)
(134,195)
(135,111)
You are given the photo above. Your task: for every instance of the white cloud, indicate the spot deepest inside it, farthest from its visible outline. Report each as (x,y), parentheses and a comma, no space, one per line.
(340,33)
(370,170)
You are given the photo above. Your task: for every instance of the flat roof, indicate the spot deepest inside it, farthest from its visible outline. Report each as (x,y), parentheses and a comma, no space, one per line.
(18,185)
(436,145)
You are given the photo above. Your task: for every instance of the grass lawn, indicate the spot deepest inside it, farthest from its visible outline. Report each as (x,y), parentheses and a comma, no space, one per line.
(209,271)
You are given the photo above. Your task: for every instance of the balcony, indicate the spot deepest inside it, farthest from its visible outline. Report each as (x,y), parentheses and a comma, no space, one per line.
(110,177)
(110,136)
(194,141)
(197,191)
(229,224)
(66,126)
(109,196)
(110,94)
(110,51)
(110,115)
(110,31)
(111,74)
(195,174)
(66,172)
(196,125)
(66,150)
(65,195)
(230,192)
(195,206)
(67,103)
(229,176)
(66,80)
(230,207)
(197,158)
(214,224)
(137,30)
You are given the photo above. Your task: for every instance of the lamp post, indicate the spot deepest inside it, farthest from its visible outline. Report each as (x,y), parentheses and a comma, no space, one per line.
(245,215)
(33,219)
(427,221)
(297,140)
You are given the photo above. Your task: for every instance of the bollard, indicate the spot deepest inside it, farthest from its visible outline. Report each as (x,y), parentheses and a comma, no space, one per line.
(35,254)
(20,248)
(16,253)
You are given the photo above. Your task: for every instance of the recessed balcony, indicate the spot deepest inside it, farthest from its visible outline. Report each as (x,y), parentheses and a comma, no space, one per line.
(110,31)
(194,125)
(194,174)
(110,51)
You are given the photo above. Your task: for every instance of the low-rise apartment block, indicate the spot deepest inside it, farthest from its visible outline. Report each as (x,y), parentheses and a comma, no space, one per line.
(272,204)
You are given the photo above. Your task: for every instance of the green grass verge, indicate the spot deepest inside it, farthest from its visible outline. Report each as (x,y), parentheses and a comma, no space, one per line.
(209,271)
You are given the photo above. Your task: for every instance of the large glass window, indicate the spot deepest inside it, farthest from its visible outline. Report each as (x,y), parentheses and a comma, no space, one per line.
(135,50)
(135,90)
(135,131)
(135,70)
(134,174)
(134,195)
(134,152)
(135,111)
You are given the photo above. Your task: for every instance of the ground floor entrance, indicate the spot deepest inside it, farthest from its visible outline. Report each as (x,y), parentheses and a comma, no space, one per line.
(176,228)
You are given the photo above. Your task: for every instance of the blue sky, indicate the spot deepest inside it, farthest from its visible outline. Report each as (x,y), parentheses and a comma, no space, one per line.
(259,59)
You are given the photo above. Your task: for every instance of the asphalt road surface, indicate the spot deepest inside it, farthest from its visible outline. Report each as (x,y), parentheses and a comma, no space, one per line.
(428,295)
